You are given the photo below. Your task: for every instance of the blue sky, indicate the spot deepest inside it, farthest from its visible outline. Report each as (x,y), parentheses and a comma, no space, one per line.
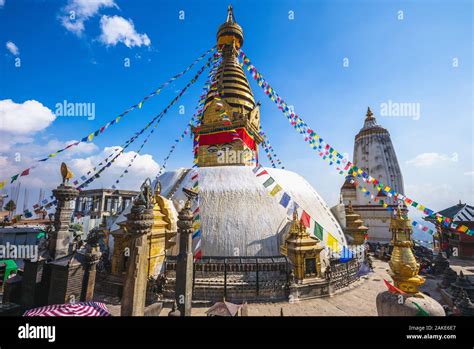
(402,60)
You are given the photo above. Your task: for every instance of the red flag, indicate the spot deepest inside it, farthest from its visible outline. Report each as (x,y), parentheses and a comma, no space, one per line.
(393,289)
(197,255)
(262,173)
(305,219)
(25,172)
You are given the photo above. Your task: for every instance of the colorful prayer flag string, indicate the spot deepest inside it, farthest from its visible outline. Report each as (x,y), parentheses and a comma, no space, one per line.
(330,154)
(100,130)
(86,181)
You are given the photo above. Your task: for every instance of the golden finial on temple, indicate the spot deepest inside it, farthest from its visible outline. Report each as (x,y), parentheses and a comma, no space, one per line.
(230,33)
(230,15)
(369,114)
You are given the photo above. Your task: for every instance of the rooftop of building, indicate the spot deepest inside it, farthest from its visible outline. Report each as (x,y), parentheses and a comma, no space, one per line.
(458,213)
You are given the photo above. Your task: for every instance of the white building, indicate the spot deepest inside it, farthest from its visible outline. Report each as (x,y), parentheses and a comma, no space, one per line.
(374,153)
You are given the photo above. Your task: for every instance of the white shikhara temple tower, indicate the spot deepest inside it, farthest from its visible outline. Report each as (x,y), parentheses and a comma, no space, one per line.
(375,154)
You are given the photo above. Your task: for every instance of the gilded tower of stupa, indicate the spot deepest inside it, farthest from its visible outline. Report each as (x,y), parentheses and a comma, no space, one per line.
(230,108)
(238,217)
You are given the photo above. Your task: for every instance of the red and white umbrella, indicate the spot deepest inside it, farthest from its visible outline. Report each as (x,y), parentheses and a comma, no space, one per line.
(72,309)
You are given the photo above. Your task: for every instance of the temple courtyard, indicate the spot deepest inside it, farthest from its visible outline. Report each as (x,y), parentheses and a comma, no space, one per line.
(356,300)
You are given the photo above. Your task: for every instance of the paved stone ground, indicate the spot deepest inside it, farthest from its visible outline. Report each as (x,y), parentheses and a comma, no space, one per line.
(357,300)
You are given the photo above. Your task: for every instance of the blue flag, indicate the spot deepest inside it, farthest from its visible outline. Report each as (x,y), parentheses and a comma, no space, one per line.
(285,200)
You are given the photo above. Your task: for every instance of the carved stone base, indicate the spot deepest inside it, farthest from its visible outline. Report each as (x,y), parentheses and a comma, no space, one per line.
(388,304)
(313,288)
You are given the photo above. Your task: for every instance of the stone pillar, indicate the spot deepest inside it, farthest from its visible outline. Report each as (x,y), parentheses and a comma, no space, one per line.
(92,255)
(185,260)
(138,226)
(59,243)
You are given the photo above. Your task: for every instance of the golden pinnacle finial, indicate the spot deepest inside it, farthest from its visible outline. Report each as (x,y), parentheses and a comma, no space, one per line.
(349,207)
(230,15)
(295,216)
(369,113)
(399,213)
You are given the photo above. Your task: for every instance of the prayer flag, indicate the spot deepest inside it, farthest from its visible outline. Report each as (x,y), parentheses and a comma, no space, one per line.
(318,231)
(332,242)
(285,200)
(305,219)
(393,289)
(421,311)
(268,182)
(14,178)
(275,190)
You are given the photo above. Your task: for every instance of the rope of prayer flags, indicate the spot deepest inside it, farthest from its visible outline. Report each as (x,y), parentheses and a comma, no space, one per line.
(326,151)
(382,202)
(86,181)
(100,130)
(287,202)
(160,117)
(196,116)
(197,234)
(270,152)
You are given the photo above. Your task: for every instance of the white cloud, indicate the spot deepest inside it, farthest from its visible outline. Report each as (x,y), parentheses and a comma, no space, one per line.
(469,173)
(117,29)
(2,3)
(80,159)
(143,166)
(438,196)
(429,159)
(24,118)
(77,12)
(14,50)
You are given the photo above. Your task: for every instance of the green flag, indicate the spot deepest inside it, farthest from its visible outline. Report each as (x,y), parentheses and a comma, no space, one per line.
(421,311)
(268,182)
(318,231)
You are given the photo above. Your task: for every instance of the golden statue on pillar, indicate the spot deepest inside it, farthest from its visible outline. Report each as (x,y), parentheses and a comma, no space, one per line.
(66,173)
(403,265)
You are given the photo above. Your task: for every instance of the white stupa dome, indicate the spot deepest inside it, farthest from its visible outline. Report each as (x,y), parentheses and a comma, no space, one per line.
(239,216)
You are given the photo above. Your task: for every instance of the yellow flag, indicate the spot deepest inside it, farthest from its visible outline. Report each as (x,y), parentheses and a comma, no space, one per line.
(275,190)
(196,226)
(2,184)
(140,105)
(332,243)
(90,137)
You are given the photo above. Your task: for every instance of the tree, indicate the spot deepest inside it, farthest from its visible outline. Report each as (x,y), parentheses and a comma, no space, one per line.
(10,207)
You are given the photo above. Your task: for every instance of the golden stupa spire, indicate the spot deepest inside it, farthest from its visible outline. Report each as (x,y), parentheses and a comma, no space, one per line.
(403,265)
(230,108)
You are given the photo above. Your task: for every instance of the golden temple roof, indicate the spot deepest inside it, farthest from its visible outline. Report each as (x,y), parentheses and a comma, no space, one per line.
(232,83)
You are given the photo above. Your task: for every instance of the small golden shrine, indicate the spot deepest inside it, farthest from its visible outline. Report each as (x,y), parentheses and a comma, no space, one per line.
(355,226)
(303,251)
(161,239)
(403,265)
